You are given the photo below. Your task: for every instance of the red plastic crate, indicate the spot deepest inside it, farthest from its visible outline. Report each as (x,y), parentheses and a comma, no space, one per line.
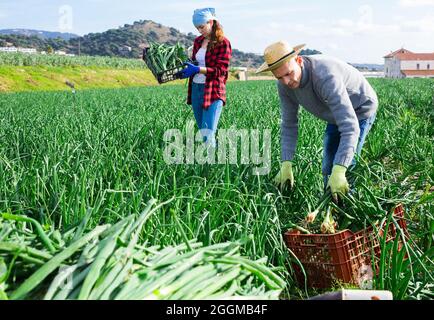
(345,256)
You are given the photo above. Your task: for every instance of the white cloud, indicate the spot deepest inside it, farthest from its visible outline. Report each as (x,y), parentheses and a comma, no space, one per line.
(189,6)
(343,23)
(342,28)
(271,13)
(337,36)
(416,3)
(378,29)
(424,25)
(333,46)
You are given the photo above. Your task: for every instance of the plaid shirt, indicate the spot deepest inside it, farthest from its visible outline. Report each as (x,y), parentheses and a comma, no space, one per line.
(217,65)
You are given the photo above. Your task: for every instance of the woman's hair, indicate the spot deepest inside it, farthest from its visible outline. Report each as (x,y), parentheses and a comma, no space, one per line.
(217,35)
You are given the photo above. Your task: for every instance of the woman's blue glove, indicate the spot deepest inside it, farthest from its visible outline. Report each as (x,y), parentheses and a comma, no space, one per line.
(190,71)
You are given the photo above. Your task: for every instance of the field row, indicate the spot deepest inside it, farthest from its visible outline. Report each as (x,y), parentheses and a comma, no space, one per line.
(101,153)
(23,59)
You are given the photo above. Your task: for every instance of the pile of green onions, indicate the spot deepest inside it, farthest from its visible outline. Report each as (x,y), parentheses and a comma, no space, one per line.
(162,57)
(109,262)
(351,212)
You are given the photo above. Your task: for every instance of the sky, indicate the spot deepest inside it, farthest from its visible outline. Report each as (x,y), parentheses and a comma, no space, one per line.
(354,31)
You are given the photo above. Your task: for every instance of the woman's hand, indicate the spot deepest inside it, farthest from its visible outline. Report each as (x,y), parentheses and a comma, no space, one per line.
(190,71)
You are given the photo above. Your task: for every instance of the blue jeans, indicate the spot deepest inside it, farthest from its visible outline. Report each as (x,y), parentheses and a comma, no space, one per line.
(332,137)
(206,119)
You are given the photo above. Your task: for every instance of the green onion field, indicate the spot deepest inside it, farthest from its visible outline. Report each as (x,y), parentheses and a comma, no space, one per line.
(87,199)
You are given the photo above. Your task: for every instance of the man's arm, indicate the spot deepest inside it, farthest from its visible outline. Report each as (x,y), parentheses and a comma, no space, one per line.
(289,124)
(334,94)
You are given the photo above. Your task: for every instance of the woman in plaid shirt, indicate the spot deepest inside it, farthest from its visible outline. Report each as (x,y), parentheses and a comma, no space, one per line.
(207,84)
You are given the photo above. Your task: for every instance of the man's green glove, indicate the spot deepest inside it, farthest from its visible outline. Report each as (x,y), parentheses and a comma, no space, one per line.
(338,182)
(285,175)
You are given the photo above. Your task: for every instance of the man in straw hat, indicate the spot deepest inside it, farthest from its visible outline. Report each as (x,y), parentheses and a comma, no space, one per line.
(331,90)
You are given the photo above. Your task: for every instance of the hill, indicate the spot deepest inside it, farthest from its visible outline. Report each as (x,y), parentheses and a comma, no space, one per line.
(39,33)
(33,41)
(126,41)
(368,66)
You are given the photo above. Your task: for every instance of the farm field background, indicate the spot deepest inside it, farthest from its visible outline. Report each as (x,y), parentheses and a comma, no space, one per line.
(49,78)
(35,72)
(20,72)
(22,59)
(63,155)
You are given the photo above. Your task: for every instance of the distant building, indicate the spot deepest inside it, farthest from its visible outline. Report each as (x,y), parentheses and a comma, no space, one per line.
(8,49)
(60,53)
(27,50)
(125,50)
(14,49)
(406,64)
(373,74)
(241,73)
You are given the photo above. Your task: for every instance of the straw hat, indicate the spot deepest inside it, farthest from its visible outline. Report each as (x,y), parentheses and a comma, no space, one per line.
(277,54)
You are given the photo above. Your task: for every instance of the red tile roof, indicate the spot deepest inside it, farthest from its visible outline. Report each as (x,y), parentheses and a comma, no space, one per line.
(404,54)
(418,72)
(416,56)
(402,50)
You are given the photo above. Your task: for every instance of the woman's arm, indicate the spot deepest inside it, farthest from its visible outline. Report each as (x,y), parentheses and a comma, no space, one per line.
(203,70)
(223,54)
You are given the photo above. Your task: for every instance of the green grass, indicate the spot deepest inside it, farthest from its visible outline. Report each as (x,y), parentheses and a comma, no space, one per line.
(48,78)
(45,78)
(24,59)
(102,151)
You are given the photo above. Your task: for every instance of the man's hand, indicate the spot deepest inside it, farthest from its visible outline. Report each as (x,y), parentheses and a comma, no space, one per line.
(338,182)
(190,71)
(285,175)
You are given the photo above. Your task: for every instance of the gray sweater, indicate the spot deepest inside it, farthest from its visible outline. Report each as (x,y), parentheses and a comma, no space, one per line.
(333,91)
